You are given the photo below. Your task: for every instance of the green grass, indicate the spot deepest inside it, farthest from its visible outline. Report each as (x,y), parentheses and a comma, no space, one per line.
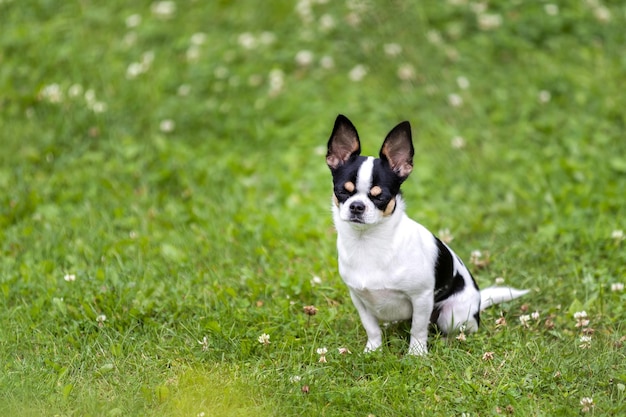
(216,227)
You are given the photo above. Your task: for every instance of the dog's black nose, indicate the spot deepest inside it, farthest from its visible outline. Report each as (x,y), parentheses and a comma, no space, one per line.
(357,207)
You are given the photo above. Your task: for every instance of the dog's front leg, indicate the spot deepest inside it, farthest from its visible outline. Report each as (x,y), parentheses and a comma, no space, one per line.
(422,309)
(370,323)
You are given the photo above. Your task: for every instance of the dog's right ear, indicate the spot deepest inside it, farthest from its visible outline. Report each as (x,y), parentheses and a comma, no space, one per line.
(343,143)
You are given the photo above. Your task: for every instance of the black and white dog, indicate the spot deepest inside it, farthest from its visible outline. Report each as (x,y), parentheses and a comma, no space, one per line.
(394,267)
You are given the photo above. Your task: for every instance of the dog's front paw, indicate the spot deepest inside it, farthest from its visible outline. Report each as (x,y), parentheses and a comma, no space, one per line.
(372,346)
(418,349)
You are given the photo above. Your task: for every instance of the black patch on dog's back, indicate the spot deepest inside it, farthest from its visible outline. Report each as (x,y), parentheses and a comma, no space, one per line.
(447,282)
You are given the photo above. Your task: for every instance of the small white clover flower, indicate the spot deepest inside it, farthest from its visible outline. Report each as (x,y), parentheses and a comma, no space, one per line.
(357,73)
(455,100)
(392,49)
(458,142)
(535,315)
(327,62)
(70,277)
(524,319)
(133,21)
(295,379)
(499,281)
(618,235)
(204,343)
(198,38)
(462,82)
(316,280)
(344,351)
(322,352)
(163,9)
(544,96)
(247,40)
(100,319)
(587,404)
(327,23)
(264,339)
(617,287)
(489,21)
(406,72)
(304,58)
(445,235)
(167,125)
(551,9)
(585,342)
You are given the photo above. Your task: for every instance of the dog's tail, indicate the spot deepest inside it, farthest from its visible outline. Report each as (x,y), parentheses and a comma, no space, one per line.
(496,295)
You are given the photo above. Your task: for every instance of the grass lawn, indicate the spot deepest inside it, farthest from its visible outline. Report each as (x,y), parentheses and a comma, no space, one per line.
(165,202)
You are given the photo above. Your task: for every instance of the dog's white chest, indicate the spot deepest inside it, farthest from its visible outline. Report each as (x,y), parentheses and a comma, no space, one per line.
(387,305)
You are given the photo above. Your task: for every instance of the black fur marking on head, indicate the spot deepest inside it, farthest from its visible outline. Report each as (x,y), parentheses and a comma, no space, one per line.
(388,182)
(446,281)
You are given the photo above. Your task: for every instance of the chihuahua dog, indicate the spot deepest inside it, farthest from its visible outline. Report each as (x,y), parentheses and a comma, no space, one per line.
(393,266)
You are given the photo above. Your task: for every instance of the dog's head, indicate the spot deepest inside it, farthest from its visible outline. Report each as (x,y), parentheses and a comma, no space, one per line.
(365,188)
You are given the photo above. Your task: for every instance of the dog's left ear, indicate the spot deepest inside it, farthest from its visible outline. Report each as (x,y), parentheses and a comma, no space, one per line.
(398,150)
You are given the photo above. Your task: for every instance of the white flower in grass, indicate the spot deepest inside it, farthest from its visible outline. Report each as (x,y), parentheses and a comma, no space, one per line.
(458,142)
(163,9)
(75,90)
(167,125)
(100,319)
(602,13)
(544,96)
(204,343)
(455,100)
(304,58)
(276,81)
(264,339)
(617,235)
(617,287)
(581,319)
(499,281)
(247,40)
(462,82)
(51,93)
(585,342)
(551,9)
(357,73)
(70,277)
(344,351)
(198,38)
(445,235)
(587,404)
(489,21)
(524,319)
(327,62)
(535,315)
(392,49)
(322,352)
(133,21)
(327,22)
(406,72)
(295,379)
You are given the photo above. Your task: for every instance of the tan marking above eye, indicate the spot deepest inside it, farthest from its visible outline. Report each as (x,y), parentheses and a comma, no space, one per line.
(376,191)
(349,186)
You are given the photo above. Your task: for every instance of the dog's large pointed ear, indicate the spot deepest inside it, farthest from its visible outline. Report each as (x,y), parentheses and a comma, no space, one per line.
(398,150)
(343,143)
